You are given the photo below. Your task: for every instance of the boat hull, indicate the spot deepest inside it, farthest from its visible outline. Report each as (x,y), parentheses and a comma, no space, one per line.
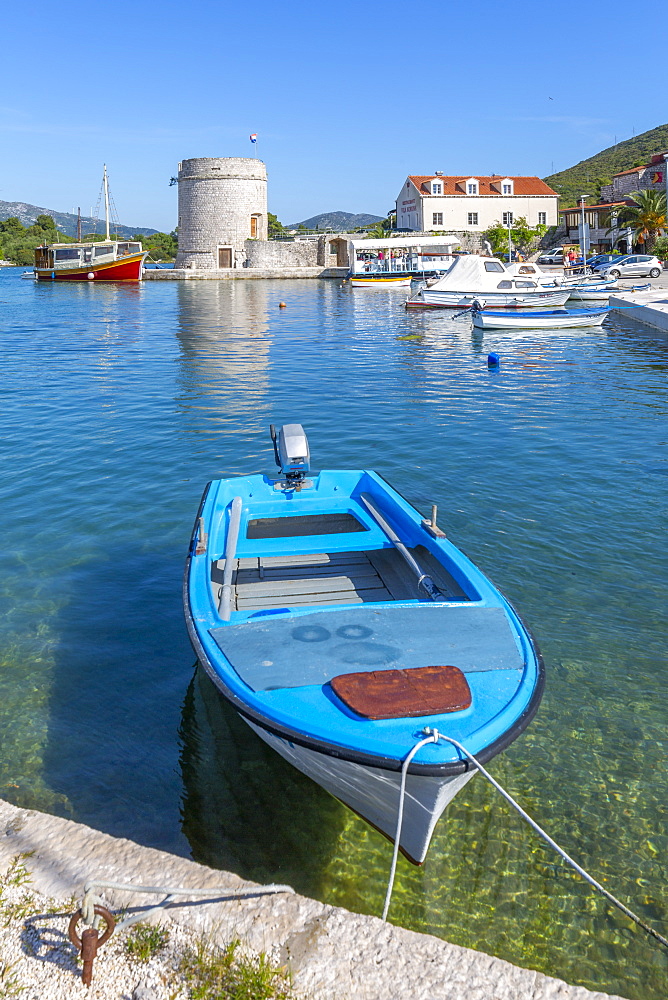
(380,282)
(434,299)
(529,321)
(374,793)
(126,269)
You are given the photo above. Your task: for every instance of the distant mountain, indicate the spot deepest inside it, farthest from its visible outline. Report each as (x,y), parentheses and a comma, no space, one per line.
(66,222)
(587,176)
(340,222)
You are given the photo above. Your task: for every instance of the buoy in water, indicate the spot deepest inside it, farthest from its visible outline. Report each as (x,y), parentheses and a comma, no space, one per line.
(281,305)
(493,360)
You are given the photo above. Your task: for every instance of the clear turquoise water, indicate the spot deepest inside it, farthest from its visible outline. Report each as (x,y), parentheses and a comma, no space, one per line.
(119,404)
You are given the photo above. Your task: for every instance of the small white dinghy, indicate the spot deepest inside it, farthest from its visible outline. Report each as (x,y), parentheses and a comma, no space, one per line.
(543,319)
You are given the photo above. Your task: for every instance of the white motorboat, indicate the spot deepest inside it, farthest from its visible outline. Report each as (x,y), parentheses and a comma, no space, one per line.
(531,270)
(541,319)
(488,281)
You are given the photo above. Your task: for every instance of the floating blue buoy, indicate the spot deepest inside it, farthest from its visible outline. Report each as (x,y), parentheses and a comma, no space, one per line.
(493,360)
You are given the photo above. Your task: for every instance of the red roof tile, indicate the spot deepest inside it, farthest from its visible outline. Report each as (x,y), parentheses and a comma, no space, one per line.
(606,204)
(486,185)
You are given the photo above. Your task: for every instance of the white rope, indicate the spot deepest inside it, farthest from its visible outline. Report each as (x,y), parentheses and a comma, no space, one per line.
(90,900)
(434,736)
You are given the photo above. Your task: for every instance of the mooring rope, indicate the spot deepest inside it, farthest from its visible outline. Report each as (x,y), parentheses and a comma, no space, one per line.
(90,900)
(433,736)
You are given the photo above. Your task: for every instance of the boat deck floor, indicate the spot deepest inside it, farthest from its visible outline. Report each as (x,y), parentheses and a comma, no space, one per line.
(330,578)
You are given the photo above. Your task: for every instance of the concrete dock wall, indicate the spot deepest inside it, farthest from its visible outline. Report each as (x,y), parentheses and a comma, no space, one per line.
(333,954)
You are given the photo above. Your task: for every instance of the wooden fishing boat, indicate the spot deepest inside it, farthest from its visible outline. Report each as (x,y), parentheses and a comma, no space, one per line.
(342,626)
(537,319)
(111,260)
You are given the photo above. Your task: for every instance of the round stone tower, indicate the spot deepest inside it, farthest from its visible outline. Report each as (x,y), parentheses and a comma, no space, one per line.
(222,203)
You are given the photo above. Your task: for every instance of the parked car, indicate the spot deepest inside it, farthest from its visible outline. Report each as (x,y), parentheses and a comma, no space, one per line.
(605,260)
(634,266)
(554,256)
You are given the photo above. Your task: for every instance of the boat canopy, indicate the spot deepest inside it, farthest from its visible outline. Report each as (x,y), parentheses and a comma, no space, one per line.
(480,274)
(415,242)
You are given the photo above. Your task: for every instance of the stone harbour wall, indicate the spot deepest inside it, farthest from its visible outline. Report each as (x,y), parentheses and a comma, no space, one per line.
(331,953)
(281,253)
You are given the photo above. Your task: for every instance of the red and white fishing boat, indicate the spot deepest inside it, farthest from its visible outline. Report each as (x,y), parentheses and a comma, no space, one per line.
(111,260)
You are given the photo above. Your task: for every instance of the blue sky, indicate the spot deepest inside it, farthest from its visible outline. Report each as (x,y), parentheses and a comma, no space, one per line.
(347,99)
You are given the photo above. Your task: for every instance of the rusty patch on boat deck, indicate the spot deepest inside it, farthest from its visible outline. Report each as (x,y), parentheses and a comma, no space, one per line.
(395,694)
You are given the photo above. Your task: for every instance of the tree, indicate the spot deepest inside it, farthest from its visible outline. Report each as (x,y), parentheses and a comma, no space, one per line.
(12,226)
(647,217)
(379,230)
(44,222)
(162,246)
(274,227)
(523,237)
(661,248)
(19,242)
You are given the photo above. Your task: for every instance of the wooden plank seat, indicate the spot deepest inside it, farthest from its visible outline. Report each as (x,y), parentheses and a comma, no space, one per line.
(327,578)
(295,581)
(398,694)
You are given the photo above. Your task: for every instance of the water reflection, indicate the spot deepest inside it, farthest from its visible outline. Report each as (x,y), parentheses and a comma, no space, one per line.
(120,403)
(223,334)
(245,809)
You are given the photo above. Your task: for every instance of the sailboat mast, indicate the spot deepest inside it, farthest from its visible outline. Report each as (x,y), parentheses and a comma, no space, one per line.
(106,200)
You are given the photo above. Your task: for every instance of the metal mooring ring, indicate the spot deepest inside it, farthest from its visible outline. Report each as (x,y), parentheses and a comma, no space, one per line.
(100,911)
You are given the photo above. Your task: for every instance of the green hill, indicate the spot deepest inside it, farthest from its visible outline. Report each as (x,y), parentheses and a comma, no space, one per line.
(587,176)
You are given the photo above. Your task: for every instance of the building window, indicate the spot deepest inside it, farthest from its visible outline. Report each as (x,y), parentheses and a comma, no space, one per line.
(473,218)
(472,188)
(254,227)
(437,219)
(507,189)
(437,189)
(542,218)
(507,218)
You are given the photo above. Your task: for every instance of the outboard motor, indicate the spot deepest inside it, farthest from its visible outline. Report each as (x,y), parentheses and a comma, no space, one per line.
(292,452)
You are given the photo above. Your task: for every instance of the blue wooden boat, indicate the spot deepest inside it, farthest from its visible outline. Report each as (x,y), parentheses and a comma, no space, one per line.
(342,626)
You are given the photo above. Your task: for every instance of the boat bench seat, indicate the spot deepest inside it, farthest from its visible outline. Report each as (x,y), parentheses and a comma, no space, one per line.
(329,578)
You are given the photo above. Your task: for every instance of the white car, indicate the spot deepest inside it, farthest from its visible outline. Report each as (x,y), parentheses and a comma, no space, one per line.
(635,266)
(553,256)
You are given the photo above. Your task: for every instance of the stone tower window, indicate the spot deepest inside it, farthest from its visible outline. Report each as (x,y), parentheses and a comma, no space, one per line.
(254,226)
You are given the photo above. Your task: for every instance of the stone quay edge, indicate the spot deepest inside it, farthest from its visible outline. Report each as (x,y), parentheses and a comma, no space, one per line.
(332,954)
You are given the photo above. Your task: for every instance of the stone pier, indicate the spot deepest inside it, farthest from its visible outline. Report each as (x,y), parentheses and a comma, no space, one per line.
(332,954)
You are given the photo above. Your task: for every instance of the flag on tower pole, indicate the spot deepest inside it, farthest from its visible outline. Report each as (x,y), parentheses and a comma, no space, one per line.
(253,137)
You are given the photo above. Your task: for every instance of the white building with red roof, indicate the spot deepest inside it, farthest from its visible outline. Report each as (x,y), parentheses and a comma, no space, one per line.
(472,204)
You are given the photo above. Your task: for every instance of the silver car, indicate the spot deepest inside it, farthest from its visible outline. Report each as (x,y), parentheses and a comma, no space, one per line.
(635,266)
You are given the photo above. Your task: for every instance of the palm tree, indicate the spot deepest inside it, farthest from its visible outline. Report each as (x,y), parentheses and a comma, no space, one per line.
(379,230)
(647,217)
